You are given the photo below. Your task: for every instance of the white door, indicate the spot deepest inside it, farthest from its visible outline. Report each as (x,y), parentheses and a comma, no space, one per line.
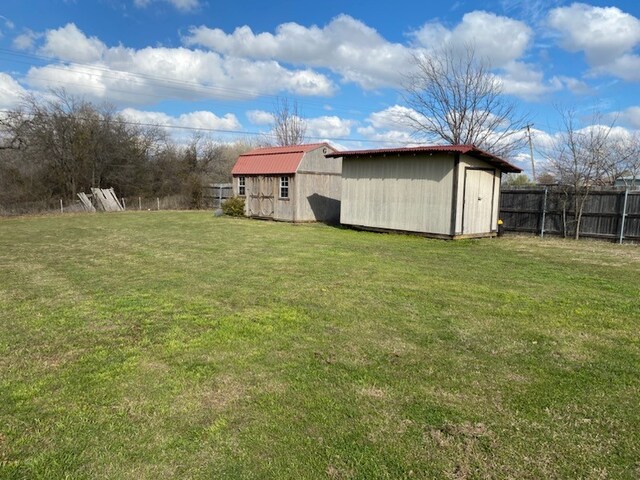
(477,213)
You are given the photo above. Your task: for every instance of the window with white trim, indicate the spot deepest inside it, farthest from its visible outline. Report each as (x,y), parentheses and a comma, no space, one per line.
(242,189)
(284,187)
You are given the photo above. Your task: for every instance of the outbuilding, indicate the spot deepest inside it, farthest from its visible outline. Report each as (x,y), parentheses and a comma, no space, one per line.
(441,191)
(294,183)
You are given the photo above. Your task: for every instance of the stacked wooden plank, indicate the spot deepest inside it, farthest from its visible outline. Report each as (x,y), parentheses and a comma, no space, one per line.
(86,203)
(106,200)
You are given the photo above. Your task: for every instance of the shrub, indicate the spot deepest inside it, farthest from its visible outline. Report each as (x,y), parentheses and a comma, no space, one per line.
(233,207)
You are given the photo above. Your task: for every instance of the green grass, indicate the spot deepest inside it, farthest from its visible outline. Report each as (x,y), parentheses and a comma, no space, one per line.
(179,345)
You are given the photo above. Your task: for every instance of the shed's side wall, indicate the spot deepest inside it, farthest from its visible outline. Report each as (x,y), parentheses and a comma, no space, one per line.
(398,192)
(467,161)
(318,187)
(317,197)
(315,161)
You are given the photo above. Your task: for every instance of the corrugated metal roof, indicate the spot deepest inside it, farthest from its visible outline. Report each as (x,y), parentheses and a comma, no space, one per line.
(274,160)
(470,150)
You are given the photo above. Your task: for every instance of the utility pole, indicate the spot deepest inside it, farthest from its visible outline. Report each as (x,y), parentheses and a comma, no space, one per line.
(533,163)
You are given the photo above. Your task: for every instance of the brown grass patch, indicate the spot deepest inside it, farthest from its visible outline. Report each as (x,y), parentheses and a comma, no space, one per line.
(226,391)
(373,392)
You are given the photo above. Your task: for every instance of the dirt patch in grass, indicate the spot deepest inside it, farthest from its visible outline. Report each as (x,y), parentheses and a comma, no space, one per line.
(226,391)
(373,392)
(338,473)
(586,250)
(468,445)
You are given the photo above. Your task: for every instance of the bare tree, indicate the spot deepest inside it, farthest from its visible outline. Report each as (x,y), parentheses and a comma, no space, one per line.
(289,128)
(623,161)
(578,160)
(456,99)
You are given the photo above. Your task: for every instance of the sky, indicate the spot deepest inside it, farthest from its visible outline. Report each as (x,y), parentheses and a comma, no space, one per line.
(220,66)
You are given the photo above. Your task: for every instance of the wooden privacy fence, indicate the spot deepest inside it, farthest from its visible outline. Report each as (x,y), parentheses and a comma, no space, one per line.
(217,193)
(607,214)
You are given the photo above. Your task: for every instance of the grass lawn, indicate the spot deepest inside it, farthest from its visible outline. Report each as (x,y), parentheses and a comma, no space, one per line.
(161,345)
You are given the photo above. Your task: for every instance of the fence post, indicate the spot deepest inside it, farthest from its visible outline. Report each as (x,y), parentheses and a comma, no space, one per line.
(219,197)
(624,214)
(158,201)
(139,203)
(544,212)
(61,207)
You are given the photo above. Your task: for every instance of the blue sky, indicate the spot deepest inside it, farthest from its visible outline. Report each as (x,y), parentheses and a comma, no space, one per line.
(220,65)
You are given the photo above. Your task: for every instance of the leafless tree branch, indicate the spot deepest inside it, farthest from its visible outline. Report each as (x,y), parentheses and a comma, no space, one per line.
(456,99)
(579,159)
(289,127)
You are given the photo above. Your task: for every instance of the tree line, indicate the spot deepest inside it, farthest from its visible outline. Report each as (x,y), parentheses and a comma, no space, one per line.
(58,146)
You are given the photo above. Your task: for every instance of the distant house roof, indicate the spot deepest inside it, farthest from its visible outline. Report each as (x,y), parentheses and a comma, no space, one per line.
(470,150)
(274,160)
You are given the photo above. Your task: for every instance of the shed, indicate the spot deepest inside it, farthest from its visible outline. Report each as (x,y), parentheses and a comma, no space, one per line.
(294,183)
(441,191)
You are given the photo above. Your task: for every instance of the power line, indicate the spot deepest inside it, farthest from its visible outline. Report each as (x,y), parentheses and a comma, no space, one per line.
(232,132)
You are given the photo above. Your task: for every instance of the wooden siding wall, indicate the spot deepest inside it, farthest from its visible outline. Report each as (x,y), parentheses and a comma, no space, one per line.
(400,193)
(522,211)
(315,161)
(319,184)
(317,198)
(284,207)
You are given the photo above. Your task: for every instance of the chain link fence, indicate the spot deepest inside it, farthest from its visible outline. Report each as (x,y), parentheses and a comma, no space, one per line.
(212,197)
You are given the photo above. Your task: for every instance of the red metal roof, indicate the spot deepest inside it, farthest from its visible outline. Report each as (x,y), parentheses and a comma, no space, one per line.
(274,160)
(470,150)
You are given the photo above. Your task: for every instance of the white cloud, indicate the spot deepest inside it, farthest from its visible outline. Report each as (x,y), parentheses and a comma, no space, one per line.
(329,127)
(389,127)
(497,39)
(523,160)
(602,33)
(630,117)
(26,40)
(501,42)
(525,81)
(576,86)
(619,133)
(260,117)
(203,119)
(626,67)
(8,24)
(10,91)
(68,43)
(317,127)
(391,118)
(388,138)
(182,5)
(357,52)
(149,74)
(607,36)
(199,119)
